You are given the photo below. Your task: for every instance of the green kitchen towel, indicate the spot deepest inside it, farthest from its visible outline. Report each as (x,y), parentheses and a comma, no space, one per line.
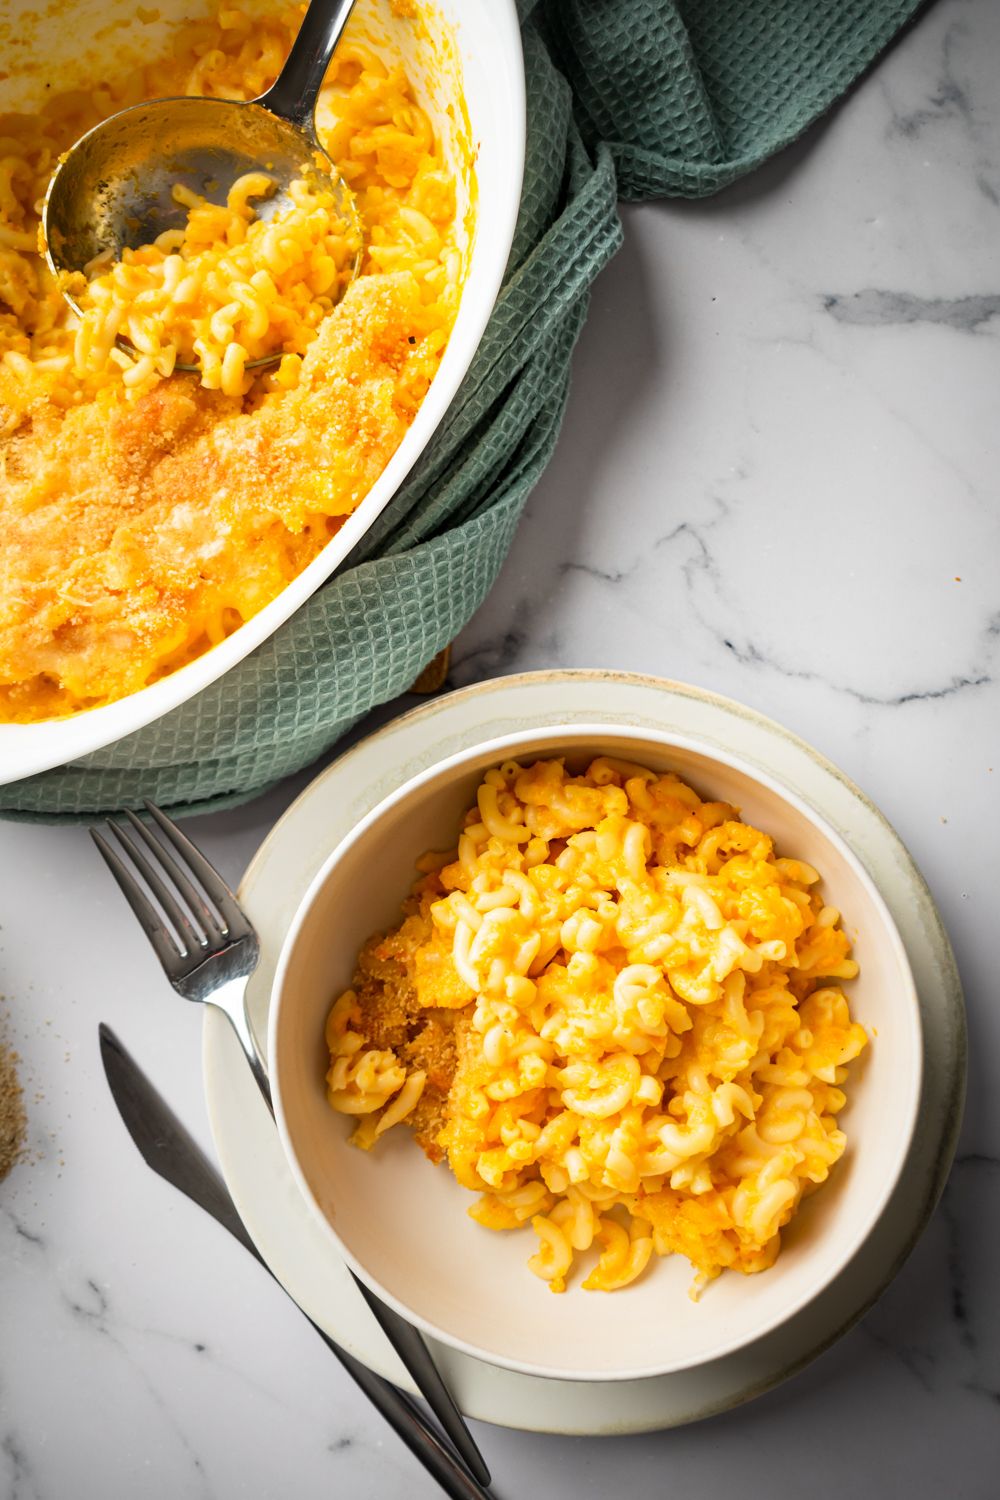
(626,98)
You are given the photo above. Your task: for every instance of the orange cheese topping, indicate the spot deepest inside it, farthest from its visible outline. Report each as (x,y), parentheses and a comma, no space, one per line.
(137,532)
(639,1039)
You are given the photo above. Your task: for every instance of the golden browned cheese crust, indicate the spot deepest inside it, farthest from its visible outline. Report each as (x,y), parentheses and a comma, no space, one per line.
(397,1020)
(120,513)
(144,520)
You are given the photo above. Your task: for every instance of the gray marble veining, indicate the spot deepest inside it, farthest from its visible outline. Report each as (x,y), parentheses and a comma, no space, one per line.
(778,480)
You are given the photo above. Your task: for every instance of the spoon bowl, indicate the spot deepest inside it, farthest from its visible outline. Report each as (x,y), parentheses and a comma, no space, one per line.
(114,190)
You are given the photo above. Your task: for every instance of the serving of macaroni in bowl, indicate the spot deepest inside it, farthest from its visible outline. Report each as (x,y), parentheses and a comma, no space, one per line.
(168,500)
(647,1017)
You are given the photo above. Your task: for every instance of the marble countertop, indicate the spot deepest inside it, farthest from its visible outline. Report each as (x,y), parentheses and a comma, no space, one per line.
(777,479)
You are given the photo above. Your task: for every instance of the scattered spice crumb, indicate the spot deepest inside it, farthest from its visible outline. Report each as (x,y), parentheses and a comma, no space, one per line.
(12,1117)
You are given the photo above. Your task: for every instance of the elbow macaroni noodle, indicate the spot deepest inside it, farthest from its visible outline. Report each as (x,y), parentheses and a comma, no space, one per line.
(648,1035)
(147,511)
(226,290)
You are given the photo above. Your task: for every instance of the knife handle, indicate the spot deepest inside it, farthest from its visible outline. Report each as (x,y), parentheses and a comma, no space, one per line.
(409,1344)
(407,1341)
(396,1406)
(409,1423)
(169,1149)
(399,1409)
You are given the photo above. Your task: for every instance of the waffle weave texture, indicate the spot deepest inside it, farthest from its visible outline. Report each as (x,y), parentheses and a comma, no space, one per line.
(631,99)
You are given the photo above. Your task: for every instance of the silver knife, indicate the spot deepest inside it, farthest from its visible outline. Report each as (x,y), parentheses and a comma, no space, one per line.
(174,1155)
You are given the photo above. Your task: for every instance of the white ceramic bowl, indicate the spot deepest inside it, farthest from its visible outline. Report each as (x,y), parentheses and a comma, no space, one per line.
(403,1224)
(69,42)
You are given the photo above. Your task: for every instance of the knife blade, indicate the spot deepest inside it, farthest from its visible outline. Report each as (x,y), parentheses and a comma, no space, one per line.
(173,1154)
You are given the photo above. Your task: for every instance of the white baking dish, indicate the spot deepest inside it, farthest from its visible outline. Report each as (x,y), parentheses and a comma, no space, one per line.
(38,46)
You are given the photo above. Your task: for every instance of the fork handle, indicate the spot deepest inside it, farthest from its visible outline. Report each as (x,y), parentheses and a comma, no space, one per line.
(407,1421)
(407,1341)
(409,1344)
(399,1409)
(231,1000)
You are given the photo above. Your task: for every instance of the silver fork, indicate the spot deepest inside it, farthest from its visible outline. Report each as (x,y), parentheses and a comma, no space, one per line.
(212,965)
(209,957)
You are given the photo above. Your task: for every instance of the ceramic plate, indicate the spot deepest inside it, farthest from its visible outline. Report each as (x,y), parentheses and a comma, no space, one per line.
(262,1183)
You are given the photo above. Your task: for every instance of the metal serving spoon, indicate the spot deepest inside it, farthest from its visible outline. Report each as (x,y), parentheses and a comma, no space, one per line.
(113,189)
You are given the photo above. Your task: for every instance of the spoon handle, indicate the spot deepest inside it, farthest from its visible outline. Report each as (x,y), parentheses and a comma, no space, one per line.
(293,93)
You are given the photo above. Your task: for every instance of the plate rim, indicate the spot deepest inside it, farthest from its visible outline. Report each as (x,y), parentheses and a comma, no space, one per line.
(948,1006)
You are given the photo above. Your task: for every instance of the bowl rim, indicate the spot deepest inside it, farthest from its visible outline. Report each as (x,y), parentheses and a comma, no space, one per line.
(31,748)
(581,732)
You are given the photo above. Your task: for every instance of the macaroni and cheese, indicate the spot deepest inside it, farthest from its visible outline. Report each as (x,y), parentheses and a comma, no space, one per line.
(227,290)
(145,512)
(618,1013)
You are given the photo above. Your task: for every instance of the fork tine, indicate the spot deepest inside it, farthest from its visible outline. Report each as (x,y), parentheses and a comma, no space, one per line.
(209,919)
(163,945)
(191,939)
(212,881)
